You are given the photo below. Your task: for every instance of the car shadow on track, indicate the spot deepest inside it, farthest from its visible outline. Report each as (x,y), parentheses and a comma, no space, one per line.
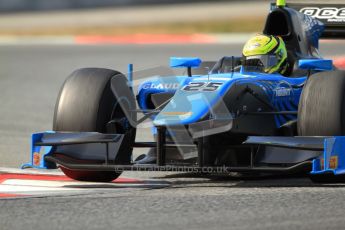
(245,181)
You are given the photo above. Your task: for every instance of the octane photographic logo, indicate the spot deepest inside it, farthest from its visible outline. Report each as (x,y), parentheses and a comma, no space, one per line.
(329,14)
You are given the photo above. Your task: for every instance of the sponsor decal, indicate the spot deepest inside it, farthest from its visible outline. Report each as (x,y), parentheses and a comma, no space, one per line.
(333,163)
(283,89)
(202,86)
(161,86)
(327,14)
(282,92)
(256,45)
(36,159)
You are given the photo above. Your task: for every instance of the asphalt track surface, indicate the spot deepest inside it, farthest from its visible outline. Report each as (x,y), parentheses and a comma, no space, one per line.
(30,77)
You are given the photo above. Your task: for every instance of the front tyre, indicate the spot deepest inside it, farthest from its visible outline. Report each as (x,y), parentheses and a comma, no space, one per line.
(321,112)
(86,104)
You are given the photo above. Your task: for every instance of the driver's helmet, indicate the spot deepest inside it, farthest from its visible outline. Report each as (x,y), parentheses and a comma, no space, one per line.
(265,53)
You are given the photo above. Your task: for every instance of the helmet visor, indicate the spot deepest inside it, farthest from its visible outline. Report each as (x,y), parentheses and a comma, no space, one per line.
(260,63)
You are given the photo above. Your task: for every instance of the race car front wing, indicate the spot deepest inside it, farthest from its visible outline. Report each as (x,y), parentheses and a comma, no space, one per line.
(319,154)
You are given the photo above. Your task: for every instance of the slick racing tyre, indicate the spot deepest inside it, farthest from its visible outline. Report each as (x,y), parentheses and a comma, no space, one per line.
(321,110)
(86,104)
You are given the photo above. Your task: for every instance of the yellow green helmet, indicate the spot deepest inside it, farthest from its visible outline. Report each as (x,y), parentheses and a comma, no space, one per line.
(266,53)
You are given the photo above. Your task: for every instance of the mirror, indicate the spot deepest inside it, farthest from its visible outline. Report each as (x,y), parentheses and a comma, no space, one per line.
(184,62)
(315,64)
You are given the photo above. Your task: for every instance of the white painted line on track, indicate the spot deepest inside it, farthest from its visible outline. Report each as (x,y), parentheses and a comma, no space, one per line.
(42,183)
(31,171)
(16,183)
(17,189)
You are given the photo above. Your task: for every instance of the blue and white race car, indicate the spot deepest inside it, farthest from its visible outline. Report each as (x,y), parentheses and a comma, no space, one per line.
(219,117)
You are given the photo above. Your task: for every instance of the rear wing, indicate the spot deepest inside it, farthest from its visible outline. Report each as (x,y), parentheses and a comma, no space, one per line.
(331,14)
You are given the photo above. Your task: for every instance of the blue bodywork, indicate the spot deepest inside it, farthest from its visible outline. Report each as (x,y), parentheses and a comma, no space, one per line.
(316,64)
(39,152)
(187,107)
(333,159)
(177,62)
